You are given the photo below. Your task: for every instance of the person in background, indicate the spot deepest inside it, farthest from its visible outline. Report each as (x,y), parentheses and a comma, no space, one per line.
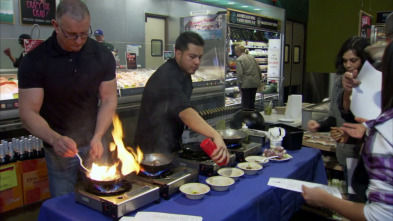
(61,83)
(248,75)
(99,35)
(166,106)
(349,79)
(7,51)
(377,154)
(350,58)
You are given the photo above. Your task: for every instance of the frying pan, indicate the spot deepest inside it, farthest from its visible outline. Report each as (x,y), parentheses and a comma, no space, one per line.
(231,136)
(156,162)
(192,147)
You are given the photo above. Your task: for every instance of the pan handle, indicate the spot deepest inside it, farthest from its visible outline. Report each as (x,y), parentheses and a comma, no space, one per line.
(257,133)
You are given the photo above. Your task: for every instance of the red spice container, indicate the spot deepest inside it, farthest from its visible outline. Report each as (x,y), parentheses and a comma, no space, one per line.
(209,146)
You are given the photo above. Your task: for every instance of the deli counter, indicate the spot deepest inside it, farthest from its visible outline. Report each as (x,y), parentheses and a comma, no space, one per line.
(208,92)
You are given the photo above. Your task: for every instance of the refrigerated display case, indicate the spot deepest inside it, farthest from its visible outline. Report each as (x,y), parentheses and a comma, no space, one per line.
(223,31)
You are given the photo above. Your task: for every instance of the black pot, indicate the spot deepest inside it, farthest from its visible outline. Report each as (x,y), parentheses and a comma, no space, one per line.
(252,118)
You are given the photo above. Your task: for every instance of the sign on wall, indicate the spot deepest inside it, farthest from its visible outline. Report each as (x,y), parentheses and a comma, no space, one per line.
(37,11)
(252,20)
(364,25)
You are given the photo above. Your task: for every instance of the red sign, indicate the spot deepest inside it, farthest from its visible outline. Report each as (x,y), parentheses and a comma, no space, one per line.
(30,44)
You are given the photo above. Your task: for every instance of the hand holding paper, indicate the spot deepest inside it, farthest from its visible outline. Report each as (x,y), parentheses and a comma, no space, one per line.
(366,98)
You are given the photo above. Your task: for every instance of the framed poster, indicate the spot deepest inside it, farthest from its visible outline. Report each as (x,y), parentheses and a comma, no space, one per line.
(6,12)
(39,12)
(364,25)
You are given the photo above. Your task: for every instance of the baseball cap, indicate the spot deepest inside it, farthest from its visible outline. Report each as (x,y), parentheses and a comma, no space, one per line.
(98,32)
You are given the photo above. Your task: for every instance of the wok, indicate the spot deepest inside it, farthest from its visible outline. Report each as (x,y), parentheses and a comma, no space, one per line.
(104,182)
(156,162)
(231,136)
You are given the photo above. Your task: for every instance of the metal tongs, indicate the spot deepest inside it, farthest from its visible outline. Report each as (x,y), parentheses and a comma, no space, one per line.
(81,161)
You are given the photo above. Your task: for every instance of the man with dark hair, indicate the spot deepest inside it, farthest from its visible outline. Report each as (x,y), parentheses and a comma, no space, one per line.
(166,106)
(7,51)
(61,83)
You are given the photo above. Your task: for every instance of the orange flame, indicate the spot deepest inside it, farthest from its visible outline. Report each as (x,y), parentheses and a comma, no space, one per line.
(130,159)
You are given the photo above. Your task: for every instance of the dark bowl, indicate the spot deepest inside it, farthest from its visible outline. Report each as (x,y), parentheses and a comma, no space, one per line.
(252,118)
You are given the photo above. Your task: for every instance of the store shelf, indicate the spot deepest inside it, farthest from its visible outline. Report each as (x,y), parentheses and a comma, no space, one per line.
(333,166)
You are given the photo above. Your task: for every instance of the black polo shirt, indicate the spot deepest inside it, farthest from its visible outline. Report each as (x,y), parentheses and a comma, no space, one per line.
(167,93)
(70,81)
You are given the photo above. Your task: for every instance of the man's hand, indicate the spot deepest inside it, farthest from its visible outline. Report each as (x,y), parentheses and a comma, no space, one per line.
(7,52)
(349,80)
(313,126)
(65,146)
(338,135)
(220,154)
(96,148)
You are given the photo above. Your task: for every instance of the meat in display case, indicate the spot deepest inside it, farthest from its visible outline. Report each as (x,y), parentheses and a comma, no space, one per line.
(8,89)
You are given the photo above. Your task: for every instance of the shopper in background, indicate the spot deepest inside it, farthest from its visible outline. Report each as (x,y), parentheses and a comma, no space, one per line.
(7,51)
(350,58)
(377,154)
(61,83)
(248,75)
(166,107)
(349,79)
(99,35)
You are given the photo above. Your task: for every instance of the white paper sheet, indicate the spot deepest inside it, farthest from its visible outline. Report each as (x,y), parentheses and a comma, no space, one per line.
(366,98)
(156,216)
(296,185)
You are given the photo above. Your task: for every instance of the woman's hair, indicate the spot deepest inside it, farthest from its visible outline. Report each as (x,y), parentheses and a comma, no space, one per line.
(241,48)
(387,78)
(357,45)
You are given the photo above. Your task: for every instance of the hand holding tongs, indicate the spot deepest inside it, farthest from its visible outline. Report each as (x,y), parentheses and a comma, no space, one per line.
(81,161)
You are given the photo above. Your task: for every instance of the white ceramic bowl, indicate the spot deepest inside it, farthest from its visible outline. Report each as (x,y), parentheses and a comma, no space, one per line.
(257,159)
(231,172)
(220,183)
(250,168)
(194,191)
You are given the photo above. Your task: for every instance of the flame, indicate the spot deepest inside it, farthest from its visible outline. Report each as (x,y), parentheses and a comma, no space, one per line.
(130,160)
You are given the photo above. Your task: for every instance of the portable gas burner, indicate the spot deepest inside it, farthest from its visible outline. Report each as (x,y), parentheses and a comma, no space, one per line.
(243,150)
(170,180)
(201,163)
(118,199)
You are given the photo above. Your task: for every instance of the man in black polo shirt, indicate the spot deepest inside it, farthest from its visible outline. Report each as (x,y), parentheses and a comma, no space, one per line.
(166,107)
(60,84)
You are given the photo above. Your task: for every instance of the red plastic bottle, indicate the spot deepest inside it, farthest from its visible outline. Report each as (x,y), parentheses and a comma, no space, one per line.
(209,146)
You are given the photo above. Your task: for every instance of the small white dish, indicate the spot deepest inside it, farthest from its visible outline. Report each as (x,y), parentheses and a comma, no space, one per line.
(257,159)
(220,183)
(194,191)
(231,172)
(250,168)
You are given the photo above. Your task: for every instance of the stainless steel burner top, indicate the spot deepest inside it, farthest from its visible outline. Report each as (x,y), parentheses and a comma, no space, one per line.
(116,206)
(170,183)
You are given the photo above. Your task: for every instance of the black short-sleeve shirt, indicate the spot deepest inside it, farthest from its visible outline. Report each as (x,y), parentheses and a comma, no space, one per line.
(167,93)
(71,82)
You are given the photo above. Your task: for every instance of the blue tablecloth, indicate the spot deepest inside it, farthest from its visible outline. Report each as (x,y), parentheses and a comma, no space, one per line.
(250,198)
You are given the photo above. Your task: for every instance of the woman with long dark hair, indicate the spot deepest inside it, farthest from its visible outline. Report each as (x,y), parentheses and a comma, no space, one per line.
(377,154)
